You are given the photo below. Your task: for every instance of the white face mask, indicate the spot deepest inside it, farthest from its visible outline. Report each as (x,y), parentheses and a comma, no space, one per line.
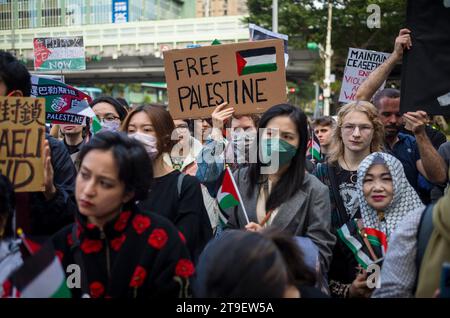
(110,125)
(239,135)
(240,144)
(148,141)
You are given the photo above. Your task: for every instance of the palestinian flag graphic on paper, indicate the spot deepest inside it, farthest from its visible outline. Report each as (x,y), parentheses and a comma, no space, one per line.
(41,276)
(65,53)
(64,104)
(256,60)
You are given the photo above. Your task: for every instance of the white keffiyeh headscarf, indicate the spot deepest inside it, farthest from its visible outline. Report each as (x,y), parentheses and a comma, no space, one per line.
(405,198)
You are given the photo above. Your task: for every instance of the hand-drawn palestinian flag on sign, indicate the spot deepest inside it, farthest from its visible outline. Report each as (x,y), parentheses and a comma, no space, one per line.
(65,53)
(256,60)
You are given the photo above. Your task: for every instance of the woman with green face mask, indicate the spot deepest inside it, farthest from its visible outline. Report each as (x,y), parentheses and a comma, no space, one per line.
(277,191)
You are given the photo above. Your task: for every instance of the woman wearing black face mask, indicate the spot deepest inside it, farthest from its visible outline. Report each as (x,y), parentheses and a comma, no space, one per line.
(276,190)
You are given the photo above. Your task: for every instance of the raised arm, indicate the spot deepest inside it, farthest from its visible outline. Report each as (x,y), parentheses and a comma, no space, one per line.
(381,73)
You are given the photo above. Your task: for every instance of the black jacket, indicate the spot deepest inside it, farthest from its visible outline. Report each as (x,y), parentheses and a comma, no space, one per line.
(186,210)
(138,254)
(48,217)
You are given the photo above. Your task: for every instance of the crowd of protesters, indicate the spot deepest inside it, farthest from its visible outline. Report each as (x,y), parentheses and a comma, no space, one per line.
(136,205)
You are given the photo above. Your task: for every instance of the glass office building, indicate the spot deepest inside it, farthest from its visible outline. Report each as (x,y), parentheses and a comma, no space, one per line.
(26,14)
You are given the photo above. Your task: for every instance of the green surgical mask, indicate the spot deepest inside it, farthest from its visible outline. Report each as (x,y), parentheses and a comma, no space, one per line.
(276,147)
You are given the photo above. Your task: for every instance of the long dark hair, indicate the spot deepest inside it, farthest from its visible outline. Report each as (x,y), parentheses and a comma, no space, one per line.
(292,180)
(120,109)
(297,270)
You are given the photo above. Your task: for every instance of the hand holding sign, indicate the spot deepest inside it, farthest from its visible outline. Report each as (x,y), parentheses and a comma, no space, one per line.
(50,189)
(221,115)
(402,42)
(415,121)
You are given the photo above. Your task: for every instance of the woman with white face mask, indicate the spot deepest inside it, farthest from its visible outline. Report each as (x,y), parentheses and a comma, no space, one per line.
(173,194)
(109,111)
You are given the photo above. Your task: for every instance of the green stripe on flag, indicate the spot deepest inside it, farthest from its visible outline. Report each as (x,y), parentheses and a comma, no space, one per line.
(96,126)
(259,68)
(315,154)
(228,201)
(355,246)
(374,240)
(62,292)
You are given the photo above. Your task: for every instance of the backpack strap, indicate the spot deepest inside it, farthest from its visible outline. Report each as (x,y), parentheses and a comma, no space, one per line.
(341,211)
(180,184)
(423,236)
(79,260)
(424,232)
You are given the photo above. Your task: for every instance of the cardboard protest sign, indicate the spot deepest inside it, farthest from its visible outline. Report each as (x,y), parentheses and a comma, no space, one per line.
(250,76)
(22,134)
(66,53)
(426,66)
(64,104)
(360,63)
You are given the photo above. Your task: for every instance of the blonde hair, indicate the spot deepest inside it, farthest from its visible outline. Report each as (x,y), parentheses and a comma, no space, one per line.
(377,143)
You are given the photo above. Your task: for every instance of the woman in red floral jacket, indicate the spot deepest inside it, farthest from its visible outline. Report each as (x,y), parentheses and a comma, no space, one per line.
(121,251)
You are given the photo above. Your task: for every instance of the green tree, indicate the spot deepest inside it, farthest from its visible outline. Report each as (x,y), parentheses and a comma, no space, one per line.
(306,21)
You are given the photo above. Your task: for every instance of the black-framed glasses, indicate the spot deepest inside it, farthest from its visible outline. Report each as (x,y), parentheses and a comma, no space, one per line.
(108,118)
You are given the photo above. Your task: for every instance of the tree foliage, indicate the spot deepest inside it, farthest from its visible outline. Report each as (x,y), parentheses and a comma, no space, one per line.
(306,21)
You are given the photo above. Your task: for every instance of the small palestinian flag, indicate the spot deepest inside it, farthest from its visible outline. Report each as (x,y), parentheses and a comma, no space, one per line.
(228,196)
(313,151)
(256,60)
(228,193)
(96,125)
(352,238)
(41,276)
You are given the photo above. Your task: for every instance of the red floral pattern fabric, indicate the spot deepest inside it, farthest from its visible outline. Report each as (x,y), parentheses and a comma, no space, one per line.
(158,239)
(141,223)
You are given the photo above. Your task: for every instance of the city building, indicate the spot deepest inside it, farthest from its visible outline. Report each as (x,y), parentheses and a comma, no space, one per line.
(26,14)
(218,8)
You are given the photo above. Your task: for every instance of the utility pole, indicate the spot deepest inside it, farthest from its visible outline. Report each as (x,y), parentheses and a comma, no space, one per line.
(328,53)
(207,7)
(13,25)
(274,15)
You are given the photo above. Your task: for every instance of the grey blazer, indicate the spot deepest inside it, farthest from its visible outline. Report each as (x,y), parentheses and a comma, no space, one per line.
(307,213)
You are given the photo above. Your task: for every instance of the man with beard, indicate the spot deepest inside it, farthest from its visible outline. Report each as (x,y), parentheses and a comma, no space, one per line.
(417,153)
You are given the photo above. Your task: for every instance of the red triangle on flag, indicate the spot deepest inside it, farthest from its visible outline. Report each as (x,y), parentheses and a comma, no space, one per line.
(240,62)
(41,53)
(228,185)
